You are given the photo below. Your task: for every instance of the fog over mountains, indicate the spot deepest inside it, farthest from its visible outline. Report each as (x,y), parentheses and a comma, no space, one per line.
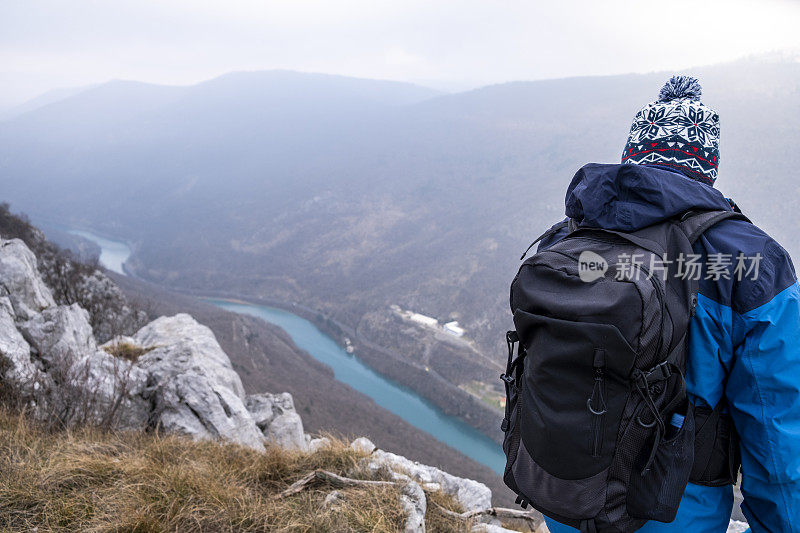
(350,195)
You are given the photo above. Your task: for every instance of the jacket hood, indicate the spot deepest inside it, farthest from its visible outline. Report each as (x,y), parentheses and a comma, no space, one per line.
(630,197)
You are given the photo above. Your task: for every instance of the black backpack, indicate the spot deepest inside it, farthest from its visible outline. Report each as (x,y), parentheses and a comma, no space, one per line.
(599,432)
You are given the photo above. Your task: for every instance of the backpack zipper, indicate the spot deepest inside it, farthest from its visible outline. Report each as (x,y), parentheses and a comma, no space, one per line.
(596,402)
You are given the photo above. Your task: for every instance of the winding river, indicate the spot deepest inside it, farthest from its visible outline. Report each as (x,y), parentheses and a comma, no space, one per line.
(348,369)
(112,253)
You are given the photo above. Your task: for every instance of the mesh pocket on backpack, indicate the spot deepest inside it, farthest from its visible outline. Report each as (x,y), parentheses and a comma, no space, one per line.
(657,484)
(510,425)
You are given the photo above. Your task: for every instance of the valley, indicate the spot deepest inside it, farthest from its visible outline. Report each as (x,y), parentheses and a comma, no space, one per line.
(337,198)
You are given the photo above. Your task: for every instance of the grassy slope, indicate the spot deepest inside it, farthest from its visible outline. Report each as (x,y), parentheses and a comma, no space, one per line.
(87,480)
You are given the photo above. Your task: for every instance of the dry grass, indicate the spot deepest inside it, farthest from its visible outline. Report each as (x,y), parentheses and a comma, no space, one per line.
(436,521)
(95,481)
(126,350)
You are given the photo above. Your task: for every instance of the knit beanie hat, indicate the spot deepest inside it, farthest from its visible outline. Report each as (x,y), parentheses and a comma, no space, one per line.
(676,131)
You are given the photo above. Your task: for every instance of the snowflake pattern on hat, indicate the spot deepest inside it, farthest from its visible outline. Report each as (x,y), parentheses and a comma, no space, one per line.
(676,131)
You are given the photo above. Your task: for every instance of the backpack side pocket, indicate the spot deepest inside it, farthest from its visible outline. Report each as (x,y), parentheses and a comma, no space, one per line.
(510,424)
(657,483)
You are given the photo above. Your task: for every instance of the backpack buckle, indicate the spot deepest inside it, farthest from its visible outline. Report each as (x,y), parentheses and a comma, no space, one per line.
(522,501)
(659,372)
(508,380)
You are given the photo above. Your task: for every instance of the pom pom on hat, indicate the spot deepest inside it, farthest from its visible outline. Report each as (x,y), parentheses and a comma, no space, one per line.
(680,87)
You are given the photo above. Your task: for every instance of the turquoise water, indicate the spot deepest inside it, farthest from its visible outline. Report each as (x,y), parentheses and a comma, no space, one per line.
(391,396)
(112,253)
(348,369)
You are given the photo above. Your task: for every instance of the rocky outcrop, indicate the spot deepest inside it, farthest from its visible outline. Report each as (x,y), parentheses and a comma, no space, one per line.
(71,280)
(414,503)
(110,312)
(191,383)
(471,494)
(58,332)
(49,356)
(21,282)
(14,349)
(180,380)
(277,419)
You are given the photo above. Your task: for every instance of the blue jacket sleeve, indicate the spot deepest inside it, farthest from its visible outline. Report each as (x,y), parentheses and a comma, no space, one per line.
(763,392)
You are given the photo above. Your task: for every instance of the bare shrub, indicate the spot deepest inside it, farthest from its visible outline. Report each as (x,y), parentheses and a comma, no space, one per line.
(67,392)
(81,395)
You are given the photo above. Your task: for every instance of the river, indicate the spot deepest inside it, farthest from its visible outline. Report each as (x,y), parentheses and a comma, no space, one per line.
(348,369)
(113,254)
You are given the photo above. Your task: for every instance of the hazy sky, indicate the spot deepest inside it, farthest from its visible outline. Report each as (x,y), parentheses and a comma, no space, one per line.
(45,44)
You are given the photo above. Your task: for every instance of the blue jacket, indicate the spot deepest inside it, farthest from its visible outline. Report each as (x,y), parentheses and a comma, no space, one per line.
(744,341)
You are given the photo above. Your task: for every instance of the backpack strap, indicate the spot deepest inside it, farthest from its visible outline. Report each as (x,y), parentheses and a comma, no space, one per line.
(555,229)
(695,223)
(716,445)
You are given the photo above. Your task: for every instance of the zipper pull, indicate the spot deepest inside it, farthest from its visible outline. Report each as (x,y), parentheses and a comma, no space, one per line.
(599,366)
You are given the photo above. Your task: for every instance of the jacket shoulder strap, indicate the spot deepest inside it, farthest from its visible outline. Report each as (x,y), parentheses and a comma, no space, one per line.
(695,223)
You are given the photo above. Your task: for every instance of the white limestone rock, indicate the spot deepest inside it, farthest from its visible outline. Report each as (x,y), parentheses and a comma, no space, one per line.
(414,504)
(315,445)
(275,416)
(471,494)
(195,344)
(20,280)
(15,352)
(184,383)
(493,528)
(192,383)
(363,445)
(59,332)
(737,527)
